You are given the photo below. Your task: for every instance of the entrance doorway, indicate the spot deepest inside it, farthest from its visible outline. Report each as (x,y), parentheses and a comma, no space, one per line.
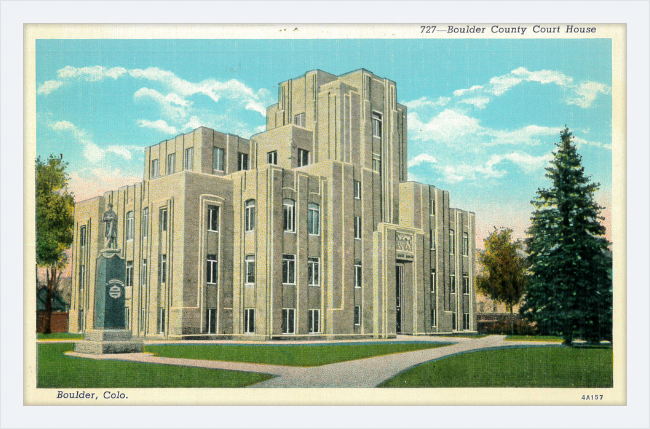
(399,280)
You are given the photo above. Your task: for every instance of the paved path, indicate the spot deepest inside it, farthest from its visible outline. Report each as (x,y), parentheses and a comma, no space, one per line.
(368,372)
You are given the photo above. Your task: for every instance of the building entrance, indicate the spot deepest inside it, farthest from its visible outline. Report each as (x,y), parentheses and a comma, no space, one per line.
(399,280)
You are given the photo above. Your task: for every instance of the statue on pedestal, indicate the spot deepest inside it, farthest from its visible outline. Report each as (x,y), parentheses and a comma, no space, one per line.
(110,233)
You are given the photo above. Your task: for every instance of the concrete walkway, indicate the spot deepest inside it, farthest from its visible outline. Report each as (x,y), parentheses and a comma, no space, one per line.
(368,372)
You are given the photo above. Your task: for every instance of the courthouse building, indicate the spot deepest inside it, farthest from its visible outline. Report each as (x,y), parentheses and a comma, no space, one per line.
(310,228)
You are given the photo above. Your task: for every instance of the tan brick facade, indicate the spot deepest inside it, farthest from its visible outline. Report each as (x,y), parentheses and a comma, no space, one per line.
(306,229)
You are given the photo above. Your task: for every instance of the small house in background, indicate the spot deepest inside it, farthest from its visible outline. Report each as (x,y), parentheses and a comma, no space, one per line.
(59,321)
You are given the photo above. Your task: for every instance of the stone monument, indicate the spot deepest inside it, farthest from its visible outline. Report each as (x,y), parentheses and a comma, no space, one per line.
(110,333)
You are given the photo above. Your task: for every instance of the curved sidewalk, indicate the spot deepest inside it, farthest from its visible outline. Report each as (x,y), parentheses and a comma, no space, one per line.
(368,372)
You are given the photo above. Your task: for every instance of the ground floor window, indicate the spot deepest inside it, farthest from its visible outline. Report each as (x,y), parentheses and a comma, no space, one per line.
(211,320)
(127,317)
(81,320)
(433,316)
(357,315)
(249,320)
(466,321)
(314,321)
(161,321)
(143,320)
(453,321)
(288,320)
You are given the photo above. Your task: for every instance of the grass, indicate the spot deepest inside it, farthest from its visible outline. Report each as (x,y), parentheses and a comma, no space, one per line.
(549,338)
(292,355)
(522,367)
(55,370)
(60,336)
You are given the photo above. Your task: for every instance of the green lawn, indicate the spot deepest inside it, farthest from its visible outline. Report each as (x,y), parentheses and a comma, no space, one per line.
(60,336)
(548,338)
(293,355)
(56,370)
(523,367)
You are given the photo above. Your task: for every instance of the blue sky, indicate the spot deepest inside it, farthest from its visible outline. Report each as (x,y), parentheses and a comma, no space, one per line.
(484,115)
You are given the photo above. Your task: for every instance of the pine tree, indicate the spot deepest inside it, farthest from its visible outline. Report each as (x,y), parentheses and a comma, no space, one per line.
(569,291)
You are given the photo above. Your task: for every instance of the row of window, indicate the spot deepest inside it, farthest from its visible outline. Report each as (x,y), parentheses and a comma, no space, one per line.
(452,241)
(452,283)
(288,270)
(289,320)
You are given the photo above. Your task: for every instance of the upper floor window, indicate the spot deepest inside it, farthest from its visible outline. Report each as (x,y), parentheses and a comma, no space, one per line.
(465,244)
(452,283)
(432,237)
(242,161)
(466,285)
(143,273)
(171,163)
(249,216)
(299,120)
(213,218)
(130,225)
(289,269)
(376,163)
(189,158)
(358,273)
(303,157)
(145,222)
(313,219)
(82,236)
(272,157)
(432,207)
(211,274)
(249,267)
(289,215)
(162,268)
(217,159)
(129,273)
(433,281)
(313,271)
(82,276)
(376,124)
(357,190)
(163,219)
(357,227)
(452,242)
(155,169)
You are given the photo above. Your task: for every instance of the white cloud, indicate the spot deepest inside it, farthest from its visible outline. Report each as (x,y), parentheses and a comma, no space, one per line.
(92,182)
(91,151)
(63,126)
(579,142)
(460,92)
(479,102)
(48,86)
(425,102)
(93,73)
(420,159)
(171,105)
(530,135)
(159,125)
(585,93)
(448,125)
(500,84)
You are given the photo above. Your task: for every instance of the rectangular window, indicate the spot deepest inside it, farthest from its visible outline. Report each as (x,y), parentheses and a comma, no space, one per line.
(249,321)
(189,158)
(217,159)
(82,236)
(452,242)
(303,157)
(313,320)
(313,219)
(143,273)
(299,120)
(171,163)
(313,271)
(289,207)
(357,315)
(242,161)
(376,163)
(249,267)
(162,268)
(376,124)
(466,321)
(432,207)
(453,321)
(357,189)
(432,238)
(433,281)
(288,320)
(127,317)
(161,321)
(130,225)
(452,283)
(163,219)
(143,319)
(145,222)
(213,218)
(211,322)
(129,273)
(466,285)
(357,274)
(433,315)
(272,157)
(211,273)
(82,276)
(357,227)
(289,269)
(155,169)
(465,244)
(81,320)
(249,216)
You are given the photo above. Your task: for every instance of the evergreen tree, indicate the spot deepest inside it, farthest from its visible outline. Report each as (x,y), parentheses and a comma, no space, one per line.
(54,224)
(569,291)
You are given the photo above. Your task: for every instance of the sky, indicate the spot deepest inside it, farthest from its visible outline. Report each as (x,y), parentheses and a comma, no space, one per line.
(483,115)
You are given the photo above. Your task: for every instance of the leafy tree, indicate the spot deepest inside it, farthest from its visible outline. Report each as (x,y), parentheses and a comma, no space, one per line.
(54,224)
(503,268)
(570,287)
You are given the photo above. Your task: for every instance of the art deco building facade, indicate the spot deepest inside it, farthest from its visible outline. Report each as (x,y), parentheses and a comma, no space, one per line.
(307,229)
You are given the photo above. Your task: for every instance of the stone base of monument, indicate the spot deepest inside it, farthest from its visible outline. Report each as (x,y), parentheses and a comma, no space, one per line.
(108,341)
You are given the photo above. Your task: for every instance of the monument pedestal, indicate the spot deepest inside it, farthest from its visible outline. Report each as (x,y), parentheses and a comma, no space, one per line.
(107,341)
